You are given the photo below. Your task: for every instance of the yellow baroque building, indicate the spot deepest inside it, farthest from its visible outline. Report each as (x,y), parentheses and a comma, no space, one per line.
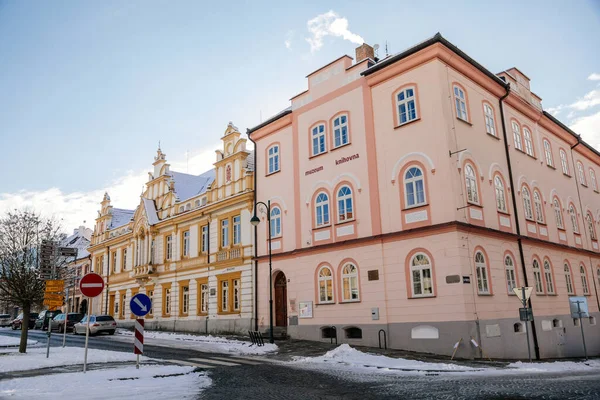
(187,245)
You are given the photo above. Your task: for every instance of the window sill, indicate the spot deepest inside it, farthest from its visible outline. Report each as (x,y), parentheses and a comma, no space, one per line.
(200,314)
(407,123)
(272,173)
(493,136)
(148,316)
(540,223)
(317,155)
(503,212)
(474,204)
(276,237)
(349,301)
(485,294)
(512,294)
(596,191)
(166,315)
(228,312)
(346,221)
(428,296)
(464,121)
(326,303)
(584,185)
(181,315)
(341,146)
(411,208)
(529,220)
(552,294)
(317,228)
(551,166)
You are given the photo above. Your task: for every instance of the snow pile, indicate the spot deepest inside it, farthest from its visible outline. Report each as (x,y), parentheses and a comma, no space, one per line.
(14,341)
(556,366)
(148,382)
(208,343)
(11,360)
(346,355)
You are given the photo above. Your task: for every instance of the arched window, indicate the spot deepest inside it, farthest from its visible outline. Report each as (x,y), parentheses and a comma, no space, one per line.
(460,100)
(421,276)
(537,275)
(573,214)
(563,162)
(527,203)
(275,222)
(181,209)
(581,173)
(490,124)
(548,276)
(568,279)
(509,267)
(322,209)
(471,185)
(539,211)
(528,142)
(414,187)
(197,203)
(584,283)
(593,180)
(500,194)
(350,283)
(517,135)
(340,131)
(558,214)
(345,206)
(273,158)
(325,285)
(188,207)
(318,140)
(406,104)
(548,152)
(482,276)
(590,225)
(598,275)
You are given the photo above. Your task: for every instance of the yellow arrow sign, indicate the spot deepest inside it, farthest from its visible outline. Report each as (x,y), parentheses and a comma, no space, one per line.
(52,303)
(55,286)
(53,297)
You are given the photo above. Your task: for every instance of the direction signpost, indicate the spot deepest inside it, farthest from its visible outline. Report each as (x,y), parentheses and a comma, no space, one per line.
(579,309)
(525,314)
(140,305)
(91,285)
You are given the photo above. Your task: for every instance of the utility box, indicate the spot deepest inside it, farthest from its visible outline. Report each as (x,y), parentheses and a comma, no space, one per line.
(375,313)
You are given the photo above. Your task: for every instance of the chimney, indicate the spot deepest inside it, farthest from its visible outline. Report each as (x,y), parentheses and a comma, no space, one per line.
(364,51)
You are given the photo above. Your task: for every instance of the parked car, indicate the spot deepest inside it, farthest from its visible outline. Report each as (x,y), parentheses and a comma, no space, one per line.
(5,320)
(45,316)
(17,322)
(98,324)
(58,322)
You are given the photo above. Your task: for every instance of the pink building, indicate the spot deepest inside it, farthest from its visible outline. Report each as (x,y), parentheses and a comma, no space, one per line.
(411,194)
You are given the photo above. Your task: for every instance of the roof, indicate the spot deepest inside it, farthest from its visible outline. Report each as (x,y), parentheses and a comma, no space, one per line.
(566,128)
(120,217)
(77,241)
(274,118)
(187,186)
(150,208)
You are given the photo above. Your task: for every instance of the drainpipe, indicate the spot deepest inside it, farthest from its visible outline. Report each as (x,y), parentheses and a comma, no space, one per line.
(516,212)
(255,240)
(106,288)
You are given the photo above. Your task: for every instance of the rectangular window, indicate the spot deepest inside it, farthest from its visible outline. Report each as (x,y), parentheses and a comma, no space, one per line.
(461,104)
(406,106)
(318,140)
(340,131)
(167,301)
(114,261)
(152,250)
(510,280)
(237,295)
(186,243)
(169,247)
(225,233)
(273,159)
(224,295)
(204,245)
(185,306)
(237,230)
(123,298)
(116,306)
(204,298)
(150,294)
(124,266)
(490,125)
(539,288)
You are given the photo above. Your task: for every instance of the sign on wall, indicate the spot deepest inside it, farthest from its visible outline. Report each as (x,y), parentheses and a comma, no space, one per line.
(305,309)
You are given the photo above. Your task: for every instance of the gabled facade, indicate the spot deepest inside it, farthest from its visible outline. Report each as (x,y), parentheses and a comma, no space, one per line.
(80,240)
(187,245)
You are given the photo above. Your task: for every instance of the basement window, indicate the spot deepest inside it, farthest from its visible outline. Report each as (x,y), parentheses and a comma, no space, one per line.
(519,327)
(328,332)
(557,323)
(353,333)
(592,320)
(576,321)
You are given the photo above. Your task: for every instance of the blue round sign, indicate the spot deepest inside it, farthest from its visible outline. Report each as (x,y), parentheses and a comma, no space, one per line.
(140,304)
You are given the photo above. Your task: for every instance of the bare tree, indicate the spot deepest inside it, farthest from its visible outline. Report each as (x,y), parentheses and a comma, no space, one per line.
(21,233)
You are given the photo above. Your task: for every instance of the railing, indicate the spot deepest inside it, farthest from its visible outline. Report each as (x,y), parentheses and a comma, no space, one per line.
(256,338)
(142,270)
(334,329)
(229,254)
(384,338)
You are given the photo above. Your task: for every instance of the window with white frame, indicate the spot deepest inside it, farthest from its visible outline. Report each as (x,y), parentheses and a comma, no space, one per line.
(153,252)
(548,152)
(590,225)
(325,285)
(490,124)
(322,210)
(527,203)
(414,187)
(350,283)
(204,246)
(528,141)
(185,296)
(273,162)
(340,131)
(581,173)
(124,259)
(563,162)
(225,295)
(500,194)
(167,302)
(537,275)
(237,295)
(169,247)
(460,103)
(558,214)
(509,268)
(482,276)
(598,275)
(584,283)
(150,294)
(517,135)
(237,230)
(537,202)
(275,222)
(593,180)
(421,273)
(548,276)
(204,298)
(225,233)
(318,140)
(573,214)
(568,279)
(406,105)
(345,206)
(186,243)
(471,185)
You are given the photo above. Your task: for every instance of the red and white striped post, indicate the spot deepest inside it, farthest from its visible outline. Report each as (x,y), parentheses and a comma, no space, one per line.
(138,343)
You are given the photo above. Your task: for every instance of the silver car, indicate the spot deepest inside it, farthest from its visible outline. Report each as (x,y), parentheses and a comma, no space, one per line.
(98,324)
(5,320)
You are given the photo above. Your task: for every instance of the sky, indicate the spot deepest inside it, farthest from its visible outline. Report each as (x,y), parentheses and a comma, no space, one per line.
(89,89)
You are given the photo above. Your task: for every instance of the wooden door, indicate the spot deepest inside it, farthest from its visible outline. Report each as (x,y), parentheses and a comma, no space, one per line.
(280,300)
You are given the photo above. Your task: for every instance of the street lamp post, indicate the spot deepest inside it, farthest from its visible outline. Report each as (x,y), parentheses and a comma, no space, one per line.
(255,221)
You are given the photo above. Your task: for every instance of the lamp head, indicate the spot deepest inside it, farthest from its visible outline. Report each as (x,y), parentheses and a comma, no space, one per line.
(255,220)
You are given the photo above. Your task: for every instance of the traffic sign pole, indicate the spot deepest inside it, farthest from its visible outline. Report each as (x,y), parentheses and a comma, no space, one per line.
(91,285)
(66,318)
(87,334)
(581,325)
(526,322)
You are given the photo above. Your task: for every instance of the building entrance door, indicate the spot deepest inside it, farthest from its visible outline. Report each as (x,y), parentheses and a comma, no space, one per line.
(280,300)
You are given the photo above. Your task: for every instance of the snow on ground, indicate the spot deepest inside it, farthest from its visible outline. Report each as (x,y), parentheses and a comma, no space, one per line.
(149,382)
(11,360)
(14,341)
(556,366)
(209,343)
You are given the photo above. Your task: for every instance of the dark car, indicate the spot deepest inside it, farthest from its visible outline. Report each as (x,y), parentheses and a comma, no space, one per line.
(58,322)
(42,321)
(17,322)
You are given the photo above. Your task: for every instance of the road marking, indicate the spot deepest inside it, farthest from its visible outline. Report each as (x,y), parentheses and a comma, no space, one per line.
(237,360)
(86,285)
(191,364)
(217,362)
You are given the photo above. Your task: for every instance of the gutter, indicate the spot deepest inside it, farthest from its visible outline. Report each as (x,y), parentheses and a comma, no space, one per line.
(248,132)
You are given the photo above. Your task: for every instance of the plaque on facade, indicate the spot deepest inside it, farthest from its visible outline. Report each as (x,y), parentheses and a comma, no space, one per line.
(373,275)
(305,309)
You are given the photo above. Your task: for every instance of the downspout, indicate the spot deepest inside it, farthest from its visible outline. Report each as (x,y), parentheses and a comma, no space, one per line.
(255,239)
(516,212)
(106,288)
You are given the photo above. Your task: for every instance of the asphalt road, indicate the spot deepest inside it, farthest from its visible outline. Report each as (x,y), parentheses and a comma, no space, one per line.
(258,378)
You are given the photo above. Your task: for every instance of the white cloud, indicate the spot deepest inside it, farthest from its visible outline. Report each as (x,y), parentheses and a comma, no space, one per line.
(288,40)
(76,207)
(329,24)
(589,129)
(590,99)
(594,77)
